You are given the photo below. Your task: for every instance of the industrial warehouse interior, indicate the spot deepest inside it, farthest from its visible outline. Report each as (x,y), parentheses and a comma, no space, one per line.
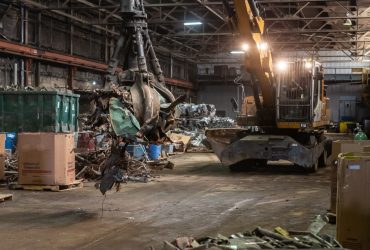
(190,124)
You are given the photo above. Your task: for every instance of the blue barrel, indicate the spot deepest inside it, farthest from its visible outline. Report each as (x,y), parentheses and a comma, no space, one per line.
(154,151)
(10,141)
(137,151)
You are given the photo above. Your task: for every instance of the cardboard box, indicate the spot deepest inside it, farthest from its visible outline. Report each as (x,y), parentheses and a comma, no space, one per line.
(46,159)
(366,149)
(339,147)
(353,203)
(2,167)
(347,146)
(180,139)
(2,143)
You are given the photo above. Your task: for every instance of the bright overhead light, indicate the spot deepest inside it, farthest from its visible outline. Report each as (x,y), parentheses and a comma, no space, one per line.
(192,23)
(282,65)
(94,82)
(245,46)
(308,65)
(237,52)
(262,46)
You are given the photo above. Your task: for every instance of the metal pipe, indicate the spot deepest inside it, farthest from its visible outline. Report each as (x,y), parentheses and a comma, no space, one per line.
(15,74)
(153,59)
(171,65)
(140,52)
(22,71)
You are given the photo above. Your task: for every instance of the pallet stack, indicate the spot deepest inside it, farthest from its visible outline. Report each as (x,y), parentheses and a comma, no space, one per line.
(45,122)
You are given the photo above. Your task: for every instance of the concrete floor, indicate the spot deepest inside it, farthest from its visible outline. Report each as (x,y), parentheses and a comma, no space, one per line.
(198,198)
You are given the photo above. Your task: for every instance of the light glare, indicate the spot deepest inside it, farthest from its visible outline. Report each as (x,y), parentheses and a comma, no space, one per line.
(245,46)
(282,65)
(263,46)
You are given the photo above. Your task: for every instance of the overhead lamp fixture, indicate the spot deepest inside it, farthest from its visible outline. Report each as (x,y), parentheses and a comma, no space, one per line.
(308,65)
(348,22)
(237,52)
(192,23)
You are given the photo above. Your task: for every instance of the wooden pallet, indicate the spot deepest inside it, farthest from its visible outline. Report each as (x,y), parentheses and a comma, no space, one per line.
(6,197)
(56,188)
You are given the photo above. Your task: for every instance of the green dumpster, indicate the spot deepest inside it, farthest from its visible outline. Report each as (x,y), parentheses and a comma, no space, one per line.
(38,111)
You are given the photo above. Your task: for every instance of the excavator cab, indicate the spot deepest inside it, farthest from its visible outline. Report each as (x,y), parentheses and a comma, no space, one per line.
(301,101)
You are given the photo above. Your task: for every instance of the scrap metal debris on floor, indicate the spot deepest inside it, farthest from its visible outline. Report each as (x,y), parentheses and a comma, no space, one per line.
(113,166)
(258,239)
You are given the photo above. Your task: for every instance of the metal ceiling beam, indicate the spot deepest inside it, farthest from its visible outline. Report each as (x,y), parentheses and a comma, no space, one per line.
(312,42)
(292,1)
(202,34)
(214,12)
(61,13)
(317,31)
(314,18)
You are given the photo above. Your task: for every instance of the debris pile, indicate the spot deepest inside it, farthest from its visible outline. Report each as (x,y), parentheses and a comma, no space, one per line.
(89,166)
(194,120)
(258,239)
(192,141)
(11,167)
(200,117)
(189,110)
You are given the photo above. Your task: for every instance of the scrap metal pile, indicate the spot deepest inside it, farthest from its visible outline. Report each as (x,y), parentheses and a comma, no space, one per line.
(258,239)
(201,116)
(11,167)
(194,119)
(91,164)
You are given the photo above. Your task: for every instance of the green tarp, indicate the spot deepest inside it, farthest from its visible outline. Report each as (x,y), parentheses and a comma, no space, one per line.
(123,121)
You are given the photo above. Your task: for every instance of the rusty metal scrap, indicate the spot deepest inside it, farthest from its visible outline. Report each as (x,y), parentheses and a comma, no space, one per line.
(112,166)
(258,239)
(11,167)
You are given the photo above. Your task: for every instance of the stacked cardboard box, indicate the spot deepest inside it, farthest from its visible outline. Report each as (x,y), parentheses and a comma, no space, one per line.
(2,156)
(46,159)
(338,147)
(353,204)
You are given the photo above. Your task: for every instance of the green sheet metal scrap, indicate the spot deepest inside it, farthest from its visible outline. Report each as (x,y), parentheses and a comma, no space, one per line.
(123,121)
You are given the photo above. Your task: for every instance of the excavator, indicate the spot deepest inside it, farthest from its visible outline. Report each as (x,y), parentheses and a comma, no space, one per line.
(286,116)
